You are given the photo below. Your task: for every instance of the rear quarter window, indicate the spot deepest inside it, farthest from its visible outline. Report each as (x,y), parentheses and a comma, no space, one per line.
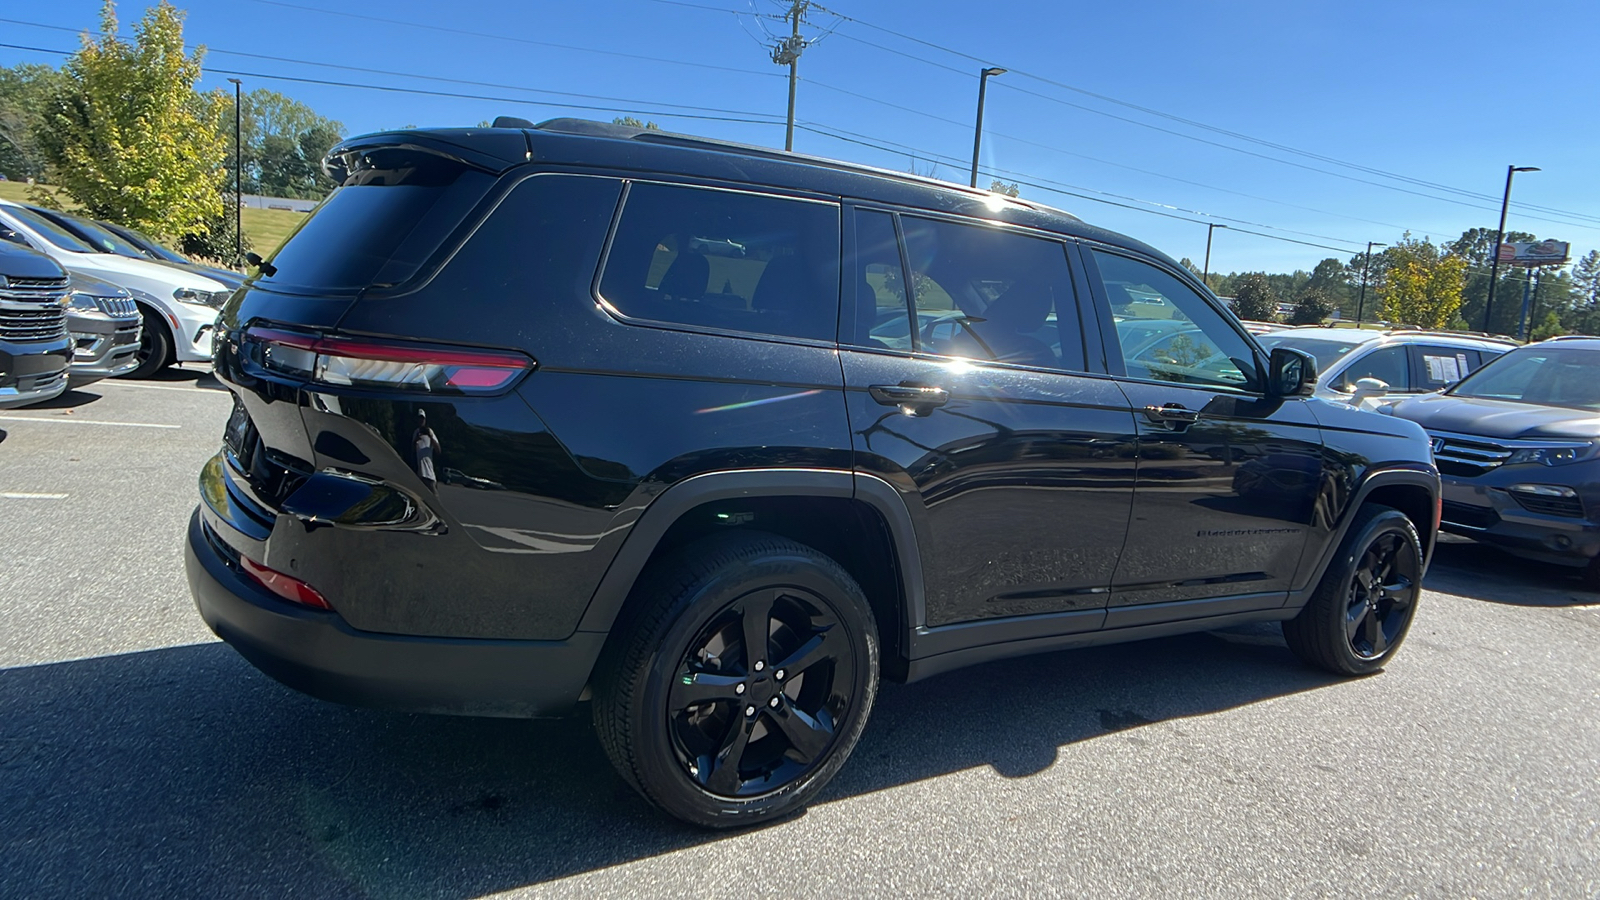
(725,260)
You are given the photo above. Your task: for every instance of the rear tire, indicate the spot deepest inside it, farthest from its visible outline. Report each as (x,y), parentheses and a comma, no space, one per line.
(155,345)
(741,680)
(1367,598)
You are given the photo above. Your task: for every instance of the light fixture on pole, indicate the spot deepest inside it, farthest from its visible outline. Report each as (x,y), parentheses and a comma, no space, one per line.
(1205,272)
(1499,238)
(977,131)
(238,177)
(1366,262)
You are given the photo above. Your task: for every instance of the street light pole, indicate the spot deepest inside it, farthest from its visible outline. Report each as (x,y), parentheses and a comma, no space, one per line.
(977,131)
(1499,238)
(1205,271)
(1366,262)
(238,177)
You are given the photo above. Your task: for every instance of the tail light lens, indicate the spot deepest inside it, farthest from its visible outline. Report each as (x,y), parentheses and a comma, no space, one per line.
(362,363)
(286,586)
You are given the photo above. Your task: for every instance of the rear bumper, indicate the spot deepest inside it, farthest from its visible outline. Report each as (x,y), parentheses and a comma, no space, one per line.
(318,653)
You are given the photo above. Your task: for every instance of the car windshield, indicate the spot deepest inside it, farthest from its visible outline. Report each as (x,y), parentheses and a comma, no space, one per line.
(148,244)
(1540,375)
(50,231)
(1326,353)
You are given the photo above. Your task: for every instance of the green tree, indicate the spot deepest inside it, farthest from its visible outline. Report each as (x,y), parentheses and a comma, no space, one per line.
(1253,299)
(127,137)
(25,90)
(1332,278)
(284,143)
(1422,286)
(1000,187)
(1311,307)
(631,122)
(1549,327)
(1584,295)
(1476,245)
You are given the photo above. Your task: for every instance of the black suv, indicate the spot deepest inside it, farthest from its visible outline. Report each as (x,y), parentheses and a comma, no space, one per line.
(35,349)
(718,436)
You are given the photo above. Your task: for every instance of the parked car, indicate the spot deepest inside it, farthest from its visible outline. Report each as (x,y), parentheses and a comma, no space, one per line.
(1401,362)
(104,322)
(178,308)
(34,347)
(152,249)
(721,506)
(1518,448)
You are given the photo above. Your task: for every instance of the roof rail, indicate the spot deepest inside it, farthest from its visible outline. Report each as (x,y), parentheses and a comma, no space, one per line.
(1574,337)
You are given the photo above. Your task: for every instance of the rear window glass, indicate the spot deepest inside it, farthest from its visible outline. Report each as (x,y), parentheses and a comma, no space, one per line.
(377,230)
(726,260)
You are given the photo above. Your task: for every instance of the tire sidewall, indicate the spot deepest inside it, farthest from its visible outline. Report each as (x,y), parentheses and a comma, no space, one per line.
(661,773)
(1384,522)
(161,345)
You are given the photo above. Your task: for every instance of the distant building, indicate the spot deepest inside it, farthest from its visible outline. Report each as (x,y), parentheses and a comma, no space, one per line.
(256,201)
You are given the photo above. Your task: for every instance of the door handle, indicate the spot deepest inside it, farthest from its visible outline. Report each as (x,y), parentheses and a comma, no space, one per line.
(916,399)
(1172,415)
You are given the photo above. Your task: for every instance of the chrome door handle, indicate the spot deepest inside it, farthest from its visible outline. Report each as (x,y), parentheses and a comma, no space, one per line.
(917,399)
(1172,415)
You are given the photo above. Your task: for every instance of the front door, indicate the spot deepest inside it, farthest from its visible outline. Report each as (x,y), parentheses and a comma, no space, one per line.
(1227,476)
(967,389)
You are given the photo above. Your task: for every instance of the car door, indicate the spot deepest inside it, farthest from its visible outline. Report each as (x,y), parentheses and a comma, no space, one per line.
(1227,477)
(968,390)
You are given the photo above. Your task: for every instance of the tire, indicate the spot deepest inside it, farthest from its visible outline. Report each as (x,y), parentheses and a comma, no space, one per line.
(155,345)
(1591,574)
(703,730)
(1364,605)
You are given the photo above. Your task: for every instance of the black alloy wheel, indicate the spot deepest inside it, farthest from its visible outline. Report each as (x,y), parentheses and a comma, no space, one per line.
(739,680)
(155,345)
(1381,595)
(759,693)
(1367,598)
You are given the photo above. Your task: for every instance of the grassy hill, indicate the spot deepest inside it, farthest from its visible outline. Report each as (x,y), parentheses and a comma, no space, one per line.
(265,229)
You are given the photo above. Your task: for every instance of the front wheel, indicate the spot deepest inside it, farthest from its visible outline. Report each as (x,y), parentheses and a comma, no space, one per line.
(742,681)
(1364,605)
(155,346)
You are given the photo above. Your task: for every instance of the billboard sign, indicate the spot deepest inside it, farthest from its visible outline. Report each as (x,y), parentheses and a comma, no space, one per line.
(1539,253)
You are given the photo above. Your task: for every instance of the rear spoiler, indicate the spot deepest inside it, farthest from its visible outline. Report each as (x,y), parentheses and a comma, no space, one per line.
(491,150)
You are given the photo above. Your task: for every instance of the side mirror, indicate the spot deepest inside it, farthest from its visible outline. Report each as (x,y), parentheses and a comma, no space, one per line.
(1372,385)
(1291,373)
(260,264)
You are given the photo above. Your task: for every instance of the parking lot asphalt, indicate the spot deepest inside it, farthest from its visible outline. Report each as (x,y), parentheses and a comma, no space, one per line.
(141,757)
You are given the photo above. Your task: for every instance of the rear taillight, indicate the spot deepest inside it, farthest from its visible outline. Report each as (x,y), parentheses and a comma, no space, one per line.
(286,586)
(363,363)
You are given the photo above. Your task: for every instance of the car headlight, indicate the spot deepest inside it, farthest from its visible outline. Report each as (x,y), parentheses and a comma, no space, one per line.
(1554,456)
(80,300)
(213,299)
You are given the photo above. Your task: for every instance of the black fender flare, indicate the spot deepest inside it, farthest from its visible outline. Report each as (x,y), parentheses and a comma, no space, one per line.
(1412,474)
(670,505)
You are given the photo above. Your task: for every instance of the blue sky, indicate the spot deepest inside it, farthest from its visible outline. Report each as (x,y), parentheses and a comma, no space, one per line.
(1447,93)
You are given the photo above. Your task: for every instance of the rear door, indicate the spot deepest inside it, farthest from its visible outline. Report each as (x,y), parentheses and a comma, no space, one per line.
(1227,476)
(969,389)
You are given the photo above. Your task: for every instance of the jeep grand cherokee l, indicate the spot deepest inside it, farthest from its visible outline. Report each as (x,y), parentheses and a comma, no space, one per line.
(720,436)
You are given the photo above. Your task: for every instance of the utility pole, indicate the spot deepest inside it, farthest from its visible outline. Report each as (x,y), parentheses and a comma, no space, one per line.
(1499,238)
(1205,271)
(238,178)
(787,53)
(977,131)
(1361,305)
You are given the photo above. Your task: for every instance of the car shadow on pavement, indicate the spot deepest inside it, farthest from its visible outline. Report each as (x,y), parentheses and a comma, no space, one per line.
(193,374)
(72,399)
(1467,568)
(183,771)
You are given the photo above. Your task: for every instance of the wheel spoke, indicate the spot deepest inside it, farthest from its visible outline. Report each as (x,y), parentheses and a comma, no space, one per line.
(817,648)
(807,734)
(756,623)
(724,775)
(697,686)
(1354,619)
(1375,636)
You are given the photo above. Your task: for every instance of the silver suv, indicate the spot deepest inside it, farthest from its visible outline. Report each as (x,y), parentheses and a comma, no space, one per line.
(1403,362)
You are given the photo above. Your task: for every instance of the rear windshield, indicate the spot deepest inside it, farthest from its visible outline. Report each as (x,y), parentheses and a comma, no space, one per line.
(378,229)
(1326,353)
(101,238)
(49,230)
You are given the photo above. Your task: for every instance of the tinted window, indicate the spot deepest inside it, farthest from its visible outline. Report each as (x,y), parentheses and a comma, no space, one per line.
(100,238)
(1387,364)
(379,228)
(1326,353)
(49,230)
(989,293)
(726,260)
(1168,332)
(1547,376)
(882,317)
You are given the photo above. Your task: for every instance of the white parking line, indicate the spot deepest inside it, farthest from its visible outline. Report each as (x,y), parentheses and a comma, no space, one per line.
(163,387)
(77,421)
(16,496)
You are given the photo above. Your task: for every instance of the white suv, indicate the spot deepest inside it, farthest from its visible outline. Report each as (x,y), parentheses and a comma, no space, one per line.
(179,307)
(1363,367)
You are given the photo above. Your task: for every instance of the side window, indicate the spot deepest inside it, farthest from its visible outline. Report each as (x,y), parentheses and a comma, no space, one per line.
(1170,333)
(1437,368)
(1387,364)
(987,293)
(883,318)
(726,260)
